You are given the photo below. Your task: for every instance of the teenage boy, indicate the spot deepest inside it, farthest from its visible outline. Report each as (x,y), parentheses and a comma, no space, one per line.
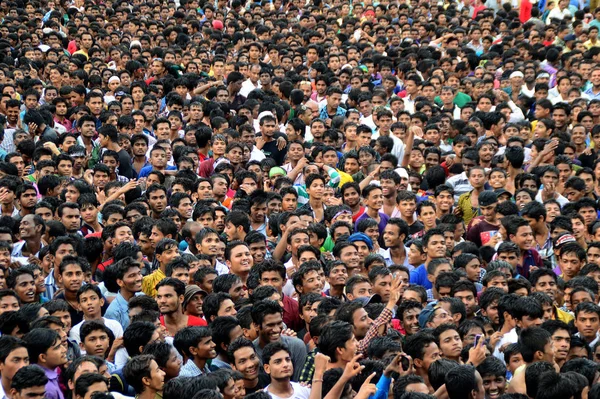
(561,339)
(71,273)
(373,197)
(394,234)
(195,344)
(488,226)
(13,356)
(535,213)
(493,374)
(143,374)
(570,260)
(166,250)
(90,301)
(277,363)
(170,296)
(434,246)
(129,279)
(536,346)
(45,349)
(95,339)
(520,232)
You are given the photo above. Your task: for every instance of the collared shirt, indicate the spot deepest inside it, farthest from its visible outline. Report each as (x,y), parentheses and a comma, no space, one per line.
(217,363)
(386,253)
(50,284)
(323,114)
(119,310)
(546,251)
(18,249)
(594,342)
(53,390)
(2,393)
(189,369)
(383,319)
(149,282)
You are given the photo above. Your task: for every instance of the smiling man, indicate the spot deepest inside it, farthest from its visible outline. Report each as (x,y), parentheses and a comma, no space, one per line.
(129,278)
(23,283)
(243,358)
(196,344)
(268,317)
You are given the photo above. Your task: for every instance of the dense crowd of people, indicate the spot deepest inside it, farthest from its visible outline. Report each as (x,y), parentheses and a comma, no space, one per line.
(299,199)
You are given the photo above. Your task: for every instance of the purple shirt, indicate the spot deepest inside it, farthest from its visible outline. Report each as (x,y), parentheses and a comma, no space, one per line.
(52,388)
(383,219)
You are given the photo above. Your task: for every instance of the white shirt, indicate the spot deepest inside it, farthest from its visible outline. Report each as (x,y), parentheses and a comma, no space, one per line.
(248,86)
(113,325)
(300,392)
(561,200)
(510,337)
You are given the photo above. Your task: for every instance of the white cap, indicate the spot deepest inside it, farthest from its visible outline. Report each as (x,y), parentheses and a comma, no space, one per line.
(263,114)
(517,74)
(114,79)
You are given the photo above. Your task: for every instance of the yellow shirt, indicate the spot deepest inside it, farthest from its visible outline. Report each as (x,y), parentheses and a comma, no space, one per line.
(149,282)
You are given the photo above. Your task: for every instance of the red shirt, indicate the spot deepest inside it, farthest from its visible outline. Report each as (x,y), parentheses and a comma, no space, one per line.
(193,321)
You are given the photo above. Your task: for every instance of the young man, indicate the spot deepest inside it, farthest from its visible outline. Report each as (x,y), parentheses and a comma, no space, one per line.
(587,321)
(129,279)
(13,356)
(277,363)
(434,246)
(519,231)
(143,374)
(71,274)
(487,226)
(570,260)
(29,382)
(337,341)
(373,196)
(243,358)
(561,339)
(394,234)
(166,250)
(90,301)
(535,214)
(170,294)
(45,349)
(536,346)
(196,344)
(268,317)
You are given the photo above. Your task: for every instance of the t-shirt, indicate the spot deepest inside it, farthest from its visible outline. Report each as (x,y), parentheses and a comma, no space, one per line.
(300,392)
(482,233)
(297,350)
(125,168)
(271,151)
(193,321)
(383,220)
(419,277)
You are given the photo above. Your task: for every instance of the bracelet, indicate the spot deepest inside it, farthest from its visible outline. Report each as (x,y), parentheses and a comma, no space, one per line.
(317,380)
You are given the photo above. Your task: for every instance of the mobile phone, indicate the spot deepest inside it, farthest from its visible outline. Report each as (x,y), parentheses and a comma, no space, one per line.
(477,338)
(405,363)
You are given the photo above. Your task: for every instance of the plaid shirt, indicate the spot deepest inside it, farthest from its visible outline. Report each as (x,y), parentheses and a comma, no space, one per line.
(383,319)
(309,367)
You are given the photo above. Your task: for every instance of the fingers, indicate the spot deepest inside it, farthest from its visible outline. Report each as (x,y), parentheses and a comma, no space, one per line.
(369,378)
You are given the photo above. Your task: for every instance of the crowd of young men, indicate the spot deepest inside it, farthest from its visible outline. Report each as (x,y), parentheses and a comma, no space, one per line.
(299,199)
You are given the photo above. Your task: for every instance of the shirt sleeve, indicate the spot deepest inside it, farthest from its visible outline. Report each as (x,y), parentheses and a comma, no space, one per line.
(384,318)
(383,388)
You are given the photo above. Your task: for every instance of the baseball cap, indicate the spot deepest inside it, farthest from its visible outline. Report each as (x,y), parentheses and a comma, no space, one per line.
(487,198)
(365,300)
(427,313)
(500,191)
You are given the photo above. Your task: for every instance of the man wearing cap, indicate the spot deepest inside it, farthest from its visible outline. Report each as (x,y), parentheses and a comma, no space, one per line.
(485,227)
(193,300)
(363,244)
(433,315)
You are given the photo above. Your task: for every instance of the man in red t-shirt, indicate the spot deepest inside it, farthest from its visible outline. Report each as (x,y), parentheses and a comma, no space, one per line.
(170,296)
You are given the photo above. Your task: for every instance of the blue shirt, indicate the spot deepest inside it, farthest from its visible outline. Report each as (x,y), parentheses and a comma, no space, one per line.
(419,276)
(145,171)
(119,310)
(189,369)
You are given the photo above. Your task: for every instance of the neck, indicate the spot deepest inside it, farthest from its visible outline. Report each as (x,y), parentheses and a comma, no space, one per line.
(398,251)
(6,385)
(336,291)
(316,203)
(70,296)
(280,385)
(147,394)
(200,363)
(34,244)
(140,158)
(389,201)
(86,140)
(92,317)
(126,294)
(374,213)
(174,317)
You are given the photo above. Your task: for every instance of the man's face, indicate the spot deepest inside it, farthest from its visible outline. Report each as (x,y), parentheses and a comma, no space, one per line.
(561,343)
(71,218)
(271,327)
(25,288)
(569,264)
(158,201)
(72,277)
(494,386)
(468,299)
(168,300)
(587,325)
